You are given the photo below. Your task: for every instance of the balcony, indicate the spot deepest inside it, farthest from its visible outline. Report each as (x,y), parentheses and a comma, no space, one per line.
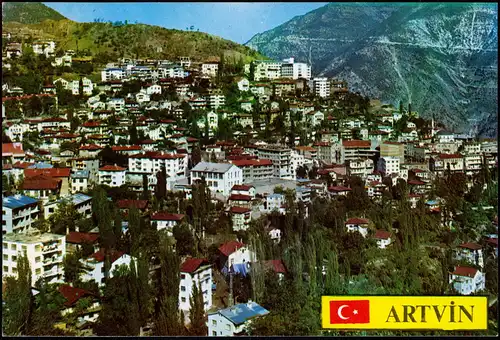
(52,260)
(49,248)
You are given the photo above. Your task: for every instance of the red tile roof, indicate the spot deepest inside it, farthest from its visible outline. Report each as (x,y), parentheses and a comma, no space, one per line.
(112,168)
(12,148)
(22,165)
(41,182)
(114,255)
(192,264)
(78,238)
(157,155)
(239,210)
(52,172)
(242,187)
(73,294)
(470,245)
(91,147)
(382,235)
(493,241)
(91,124)
(126,148)
(240,198)
(127,204)
(357,221)
(165,216)
(465,271)
(356,144)
(415,182)
(230,247)
(276,265)
(449,156)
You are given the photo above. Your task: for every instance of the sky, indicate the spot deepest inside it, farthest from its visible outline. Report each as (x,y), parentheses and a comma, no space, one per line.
(236,21)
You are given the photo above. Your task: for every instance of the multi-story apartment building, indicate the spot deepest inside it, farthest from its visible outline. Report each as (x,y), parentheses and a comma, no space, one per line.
(361,167)
(440,163)
(281,159)
(151,163)
(472,163)
(215,99)
(255,169)
(195,272)
(393,149)
(112,175)
(45,254)
(329,152)
(210,69)
(220,177)
(94,265)
(321,87)
(112,74)
(18,213)
(267,69)
(48,47)
(389,165)
(471,252)
(293,70)
(81,202)
(240,216)
(89,164)
(354,149)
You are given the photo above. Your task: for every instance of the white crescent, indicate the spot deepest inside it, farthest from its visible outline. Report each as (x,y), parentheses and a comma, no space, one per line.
(340,312)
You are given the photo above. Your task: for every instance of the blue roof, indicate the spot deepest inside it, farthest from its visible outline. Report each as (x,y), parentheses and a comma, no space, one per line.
(238,268)
(76,198)
(433,202)
(17,201)
(276,196)
(41,165)
(242,312)
(81,174)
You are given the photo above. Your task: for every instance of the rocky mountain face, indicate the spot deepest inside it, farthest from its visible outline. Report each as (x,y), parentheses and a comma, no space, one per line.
(440,57)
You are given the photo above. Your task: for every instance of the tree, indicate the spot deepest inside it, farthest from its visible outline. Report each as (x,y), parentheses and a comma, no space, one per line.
(18,300)
(64,218)
(161,183)
(184,239)
(72,267)
(197,313)
(195,155)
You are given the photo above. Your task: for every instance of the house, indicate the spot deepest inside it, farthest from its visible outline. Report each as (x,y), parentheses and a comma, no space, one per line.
(242,189)
(75,241)
(383,238)
(165,220)
(235,253)
(233,320)
(81,202)
(73,295)
(210,69)
(243,84)
(126,204)
(45,254)
(275,202)
(358,224)
(338,190)
(220,177)
(80,181)
(62,174)
(239,200)
(12,152)
(321,87)
(94,265)
(112,74)
(389,165)
(276,266)
(467,280)
(112,175)
(240,217)
(275,234)
(42,187)
(195,272)
(18,213)
(470,252)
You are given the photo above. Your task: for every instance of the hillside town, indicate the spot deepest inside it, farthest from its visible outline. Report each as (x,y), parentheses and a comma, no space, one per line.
(220,197)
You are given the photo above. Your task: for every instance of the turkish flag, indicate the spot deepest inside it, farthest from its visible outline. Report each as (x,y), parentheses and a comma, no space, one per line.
(350,311)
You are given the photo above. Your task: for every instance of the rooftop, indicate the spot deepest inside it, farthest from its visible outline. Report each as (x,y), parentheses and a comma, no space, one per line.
(31,238)
(17,201)
(192,264)
(212,167)
(242,312)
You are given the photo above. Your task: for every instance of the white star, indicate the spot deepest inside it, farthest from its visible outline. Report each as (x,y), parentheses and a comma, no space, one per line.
(355,312)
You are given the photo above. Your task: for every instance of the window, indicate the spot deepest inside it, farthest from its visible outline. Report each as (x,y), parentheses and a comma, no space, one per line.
(183,299)
(14,258)
(51,210)
(5,246)
(228,327)
(183,276)
(183,289)
(214,322)
(14,270)
(6,269)
(6,257)
(24,248)
(38,271)
(38,259)
(13,247)
(214,333)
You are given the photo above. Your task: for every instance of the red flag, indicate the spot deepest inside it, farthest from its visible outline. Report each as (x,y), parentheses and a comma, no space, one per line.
(352,311)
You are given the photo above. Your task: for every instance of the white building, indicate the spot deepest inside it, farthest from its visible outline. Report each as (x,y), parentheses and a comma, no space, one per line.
(293,70)
(467,280)
(243,84)
(81,202)
(94,265)
(233,320)
(240,217)
(80,181)
(321,87)
(112,175)
(281,159)
(358,224)
(267,69)
(383,238)
(389,165)
(220,177)
(153,89)
(210,69)
(152,162)
(112,74)
(471,252)
(48,48)
(255,169)
(275,202)
(45,254)
(195,272)
(18,213)
(166,221)
(235,253)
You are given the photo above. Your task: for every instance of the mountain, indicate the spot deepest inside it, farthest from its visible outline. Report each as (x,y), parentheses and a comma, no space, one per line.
(28,12)
(121,39)
(440,57)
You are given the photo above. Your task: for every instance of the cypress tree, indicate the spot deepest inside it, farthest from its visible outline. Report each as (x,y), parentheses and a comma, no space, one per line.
(197,312)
